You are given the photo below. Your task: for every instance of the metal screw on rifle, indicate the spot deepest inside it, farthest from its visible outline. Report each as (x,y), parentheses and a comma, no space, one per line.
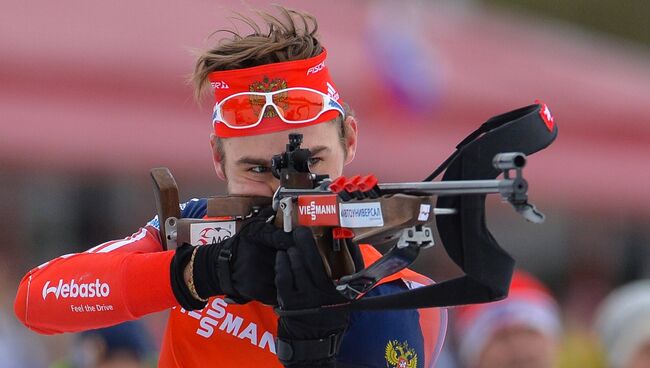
(172,223)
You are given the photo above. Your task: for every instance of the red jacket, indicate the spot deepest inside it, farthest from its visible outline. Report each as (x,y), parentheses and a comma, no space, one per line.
(126,279)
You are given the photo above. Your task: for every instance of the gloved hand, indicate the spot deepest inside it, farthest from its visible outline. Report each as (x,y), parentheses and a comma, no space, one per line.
(308,340)
(241,267)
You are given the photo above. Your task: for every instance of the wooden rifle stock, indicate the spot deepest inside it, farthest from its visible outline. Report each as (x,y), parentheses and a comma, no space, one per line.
(167,202)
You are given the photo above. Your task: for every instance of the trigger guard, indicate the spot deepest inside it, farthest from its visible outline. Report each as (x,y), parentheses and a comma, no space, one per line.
(344,263)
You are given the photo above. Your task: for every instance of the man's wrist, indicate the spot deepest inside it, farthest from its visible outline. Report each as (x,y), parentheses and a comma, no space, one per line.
(178,269)
(188,276)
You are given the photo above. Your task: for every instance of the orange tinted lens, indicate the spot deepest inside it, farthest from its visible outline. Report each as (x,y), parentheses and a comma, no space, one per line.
(298,104)
(242,111)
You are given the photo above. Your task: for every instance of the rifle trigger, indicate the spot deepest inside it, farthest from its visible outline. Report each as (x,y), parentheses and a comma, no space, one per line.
(339,235)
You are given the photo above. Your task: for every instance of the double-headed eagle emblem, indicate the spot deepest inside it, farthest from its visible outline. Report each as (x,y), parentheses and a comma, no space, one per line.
(268,85)
(400,355)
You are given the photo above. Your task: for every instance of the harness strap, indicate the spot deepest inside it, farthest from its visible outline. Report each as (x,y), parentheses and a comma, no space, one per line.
(488,268)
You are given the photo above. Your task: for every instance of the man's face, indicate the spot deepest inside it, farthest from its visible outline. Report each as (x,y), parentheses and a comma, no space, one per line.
(518,347)
(247,159)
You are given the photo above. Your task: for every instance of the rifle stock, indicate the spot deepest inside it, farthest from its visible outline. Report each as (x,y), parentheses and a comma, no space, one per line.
(167,202)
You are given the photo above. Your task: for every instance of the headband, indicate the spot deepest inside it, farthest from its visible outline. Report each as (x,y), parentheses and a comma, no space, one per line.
(310,73)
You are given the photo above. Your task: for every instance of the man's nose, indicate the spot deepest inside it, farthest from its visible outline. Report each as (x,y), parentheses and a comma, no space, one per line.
(273,184)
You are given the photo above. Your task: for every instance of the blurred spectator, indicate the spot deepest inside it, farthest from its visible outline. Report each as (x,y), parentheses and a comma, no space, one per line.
(523,330)
(623,324)
(127,345)
(19,348)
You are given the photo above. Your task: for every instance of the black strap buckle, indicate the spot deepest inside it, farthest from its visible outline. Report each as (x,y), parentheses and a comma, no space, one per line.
(291,351)
(223,269)
(225,276)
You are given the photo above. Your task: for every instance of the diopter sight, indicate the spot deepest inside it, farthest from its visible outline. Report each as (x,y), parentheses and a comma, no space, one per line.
(292,166)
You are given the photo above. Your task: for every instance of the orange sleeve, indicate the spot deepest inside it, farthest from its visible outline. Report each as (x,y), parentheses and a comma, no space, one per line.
(108,284)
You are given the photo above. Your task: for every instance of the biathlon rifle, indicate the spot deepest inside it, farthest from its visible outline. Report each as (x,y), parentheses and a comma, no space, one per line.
(362,210)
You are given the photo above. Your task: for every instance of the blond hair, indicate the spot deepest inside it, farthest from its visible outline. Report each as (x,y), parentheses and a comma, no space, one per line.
(292,35)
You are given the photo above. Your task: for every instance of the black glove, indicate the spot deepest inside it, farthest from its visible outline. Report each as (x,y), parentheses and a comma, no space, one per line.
(241,267)
(308,340)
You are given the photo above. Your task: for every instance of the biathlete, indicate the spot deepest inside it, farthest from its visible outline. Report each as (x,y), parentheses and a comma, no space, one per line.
(266,84)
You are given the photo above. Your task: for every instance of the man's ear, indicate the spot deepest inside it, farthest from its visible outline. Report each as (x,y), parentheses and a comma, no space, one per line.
(351,136)
(217,158)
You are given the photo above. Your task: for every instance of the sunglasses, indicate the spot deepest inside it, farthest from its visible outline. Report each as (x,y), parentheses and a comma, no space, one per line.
(293,105)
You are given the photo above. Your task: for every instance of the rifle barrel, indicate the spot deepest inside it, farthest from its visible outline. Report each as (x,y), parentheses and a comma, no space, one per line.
(439,188)
(444,188)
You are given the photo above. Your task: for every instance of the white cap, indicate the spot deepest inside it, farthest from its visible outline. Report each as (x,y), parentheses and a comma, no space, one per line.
(623,322)
(528,304)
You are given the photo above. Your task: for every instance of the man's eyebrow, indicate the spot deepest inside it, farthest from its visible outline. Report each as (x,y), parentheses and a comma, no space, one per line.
(257,161)
(318,149)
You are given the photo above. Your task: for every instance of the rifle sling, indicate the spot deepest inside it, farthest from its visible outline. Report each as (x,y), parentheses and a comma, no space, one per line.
(488,268)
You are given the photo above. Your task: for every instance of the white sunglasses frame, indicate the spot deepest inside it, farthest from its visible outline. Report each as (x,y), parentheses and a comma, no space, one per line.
(329,104)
